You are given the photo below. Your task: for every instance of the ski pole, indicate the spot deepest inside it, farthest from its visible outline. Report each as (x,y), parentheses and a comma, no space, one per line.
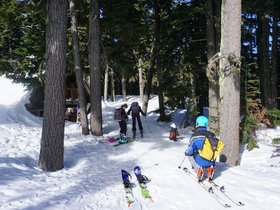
(182,162)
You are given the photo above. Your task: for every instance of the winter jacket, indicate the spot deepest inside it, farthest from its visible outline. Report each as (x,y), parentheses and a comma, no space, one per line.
(124,116)
(138,114)
(196,143)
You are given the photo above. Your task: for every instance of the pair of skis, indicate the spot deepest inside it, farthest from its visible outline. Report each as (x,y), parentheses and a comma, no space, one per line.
(210,188)
(128,185)
(128,140)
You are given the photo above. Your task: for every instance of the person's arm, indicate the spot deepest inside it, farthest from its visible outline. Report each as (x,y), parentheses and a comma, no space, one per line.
(190,150)
(143,113)
(128,112)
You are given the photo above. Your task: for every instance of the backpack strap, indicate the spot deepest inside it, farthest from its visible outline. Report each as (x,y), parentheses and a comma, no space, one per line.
(210,136)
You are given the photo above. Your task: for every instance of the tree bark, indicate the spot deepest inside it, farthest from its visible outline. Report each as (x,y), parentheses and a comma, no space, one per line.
(264,59)
(154,54)
(78,69)
(51,156)
(160,91)
(95,69)
(113,93)
(213,67)
(141,80)
(106,81)
(229,79)
(123,73)
(273,75)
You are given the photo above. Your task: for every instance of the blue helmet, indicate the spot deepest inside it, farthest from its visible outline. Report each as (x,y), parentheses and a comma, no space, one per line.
(201,121)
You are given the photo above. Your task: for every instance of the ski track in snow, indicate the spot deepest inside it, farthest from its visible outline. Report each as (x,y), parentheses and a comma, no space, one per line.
(91,178)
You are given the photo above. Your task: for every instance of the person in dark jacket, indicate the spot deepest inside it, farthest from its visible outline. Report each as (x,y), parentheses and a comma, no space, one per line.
(135,110)
(123,121)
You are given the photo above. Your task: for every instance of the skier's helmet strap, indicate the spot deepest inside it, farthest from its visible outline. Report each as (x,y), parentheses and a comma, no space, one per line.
(201,121)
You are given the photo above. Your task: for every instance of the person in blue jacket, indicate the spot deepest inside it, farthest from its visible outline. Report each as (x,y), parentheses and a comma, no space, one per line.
(199,164)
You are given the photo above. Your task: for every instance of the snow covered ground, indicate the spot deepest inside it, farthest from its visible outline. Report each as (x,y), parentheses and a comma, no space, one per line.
(91,178)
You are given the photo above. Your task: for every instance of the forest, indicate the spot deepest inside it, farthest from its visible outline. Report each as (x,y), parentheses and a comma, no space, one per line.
(219,54)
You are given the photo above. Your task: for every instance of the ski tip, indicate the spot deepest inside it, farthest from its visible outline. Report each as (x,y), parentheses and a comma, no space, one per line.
(227,205)
(137,167)
(241,204)
(123,171)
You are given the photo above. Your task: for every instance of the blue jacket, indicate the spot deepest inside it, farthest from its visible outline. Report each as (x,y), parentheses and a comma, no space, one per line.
(196,143)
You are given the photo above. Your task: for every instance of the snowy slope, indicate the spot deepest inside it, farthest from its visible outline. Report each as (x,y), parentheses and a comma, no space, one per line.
(91,178)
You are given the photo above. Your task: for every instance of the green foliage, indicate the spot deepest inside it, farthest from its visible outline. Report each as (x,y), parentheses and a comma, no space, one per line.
(276,141)
(164,118)
(23,40)
(249,126)
(252,144)
(275,115)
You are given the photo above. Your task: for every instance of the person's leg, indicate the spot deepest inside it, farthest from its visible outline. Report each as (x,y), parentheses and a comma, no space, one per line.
(139,123)
(195,166)
(134,126)
(123,127)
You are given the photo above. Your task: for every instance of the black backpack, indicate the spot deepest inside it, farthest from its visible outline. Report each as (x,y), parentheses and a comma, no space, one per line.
(135,108)
(118,114)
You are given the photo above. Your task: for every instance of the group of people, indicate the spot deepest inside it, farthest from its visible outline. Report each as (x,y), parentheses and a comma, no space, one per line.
(135,111)
(204,146)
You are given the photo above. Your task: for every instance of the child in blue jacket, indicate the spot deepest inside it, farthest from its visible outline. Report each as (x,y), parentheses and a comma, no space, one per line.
(200,164)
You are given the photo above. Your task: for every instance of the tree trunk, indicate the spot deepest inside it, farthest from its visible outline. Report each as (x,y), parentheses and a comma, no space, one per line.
(78,69)
(95,69)
(273,75)
(106,81)
(141,80)
(212,68)
(160,91)
(123,72)
(106,74)
(229,79)
(263,58)
(113,94)
(52,142)
(154,54)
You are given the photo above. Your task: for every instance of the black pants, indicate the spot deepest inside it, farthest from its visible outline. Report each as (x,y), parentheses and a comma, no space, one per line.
(123,126)
(134,123)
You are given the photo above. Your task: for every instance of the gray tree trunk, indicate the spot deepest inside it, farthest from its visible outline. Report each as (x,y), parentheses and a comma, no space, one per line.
(106,81)
(213,67)
(95,69)
(141,80)
(51,156)
(160,91)
(78,69)
(154,54)
(229,79)
(123,73)
(113,93)
(273,75)
(263,58)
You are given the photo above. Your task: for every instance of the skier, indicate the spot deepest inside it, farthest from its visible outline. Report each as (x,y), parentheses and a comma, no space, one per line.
(123,120)
(203,149)
(135,109)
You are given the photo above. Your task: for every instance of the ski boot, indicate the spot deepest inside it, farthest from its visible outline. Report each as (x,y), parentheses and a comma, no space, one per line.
(200,174)
(210,172)
(141,133)
(134,134)
(122,139)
